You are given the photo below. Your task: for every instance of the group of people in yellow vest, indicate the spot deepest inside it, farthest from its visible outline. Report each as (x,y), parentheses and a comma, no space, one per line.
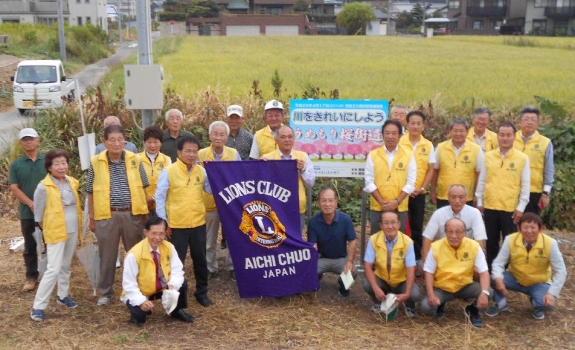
(504,176)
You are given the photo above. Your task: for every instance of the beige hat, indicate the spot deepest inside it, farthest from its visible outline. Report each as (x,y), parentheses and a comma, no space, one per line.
(235,109)
(170,300)
(274,104)
(27,132)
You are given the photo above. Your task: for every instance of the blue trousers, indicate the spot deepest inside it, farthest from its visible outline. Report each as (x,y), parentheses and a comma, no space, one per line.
(535,291)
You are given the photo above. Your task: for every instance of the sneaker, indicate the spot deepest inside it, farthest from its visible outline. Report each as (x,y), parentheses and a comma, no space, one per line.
(214,275)
(440,311)
(472,314)
(223,244)
(409,311)
(538,314)
(30,285)
(342,291)
(494,310)
(37,315)
(104,301)
(376,308)
(66,301)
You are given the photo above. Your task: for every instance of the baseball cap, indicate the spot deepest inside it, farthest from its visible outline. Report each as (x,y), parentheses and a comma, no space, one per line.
(235,109)
(27,132)
(274,104)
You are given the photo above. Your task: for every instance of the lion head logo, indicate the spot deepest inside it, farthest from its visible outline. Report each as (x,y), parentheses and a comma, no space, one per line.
(262,225)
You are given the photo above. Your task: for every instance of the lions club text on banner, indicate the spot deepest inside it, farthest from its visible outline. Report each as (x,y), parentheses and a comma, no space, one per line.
(258,206)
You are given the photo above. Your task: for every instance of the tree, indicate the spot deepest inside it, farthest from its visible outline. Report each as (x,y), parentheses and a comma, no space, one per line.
(355,17)
(404,20)
(417,13)
(204,9)
(300,6)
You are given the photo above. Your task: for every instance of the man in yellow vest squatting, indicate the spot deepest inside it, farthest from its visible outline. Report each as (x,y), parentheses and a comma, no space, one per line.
(392,254)
(150,268)
(117,204)
(264,139)
(503,189)
(456,161)
(535,267)
(539,149)
(479,133)
(285,139)
(449,270)
(218,132)
(179,201)
(390,174)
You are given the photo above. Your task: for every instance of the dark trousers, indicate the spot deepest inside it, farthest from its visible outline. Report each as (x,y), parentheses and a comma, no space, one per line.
(533,205)
(498,224)
(195,238)
(444,203)
(140,315)
(415,213)
(30,254)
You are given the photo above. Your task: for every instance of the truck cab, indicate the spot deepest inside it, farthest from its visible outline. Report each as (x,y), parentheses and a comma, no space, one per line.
(41,84)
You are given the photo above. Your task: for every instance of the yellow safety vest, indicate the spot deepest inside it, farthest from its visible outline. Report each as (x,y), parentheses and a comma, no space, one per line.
(422,150)
(456,171)
(397,273)
(153,171)
(147,267)
(535,150)
(503,181)
(266,141)
(390,183)
(184,202)
(490,139)
(229,154)
(455,268)
(101,187)
(53,220)
(531,267)
(296,155)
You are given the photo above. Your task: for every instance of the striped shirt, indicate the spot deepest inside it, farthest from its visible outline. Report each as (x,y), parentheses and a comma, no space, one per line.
(119,189)
(242,142)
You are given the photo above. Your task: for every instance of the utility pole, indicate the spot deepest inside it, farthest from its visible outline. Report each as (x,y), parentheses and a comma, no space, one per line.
(61,31)
(119,24)
(145,56)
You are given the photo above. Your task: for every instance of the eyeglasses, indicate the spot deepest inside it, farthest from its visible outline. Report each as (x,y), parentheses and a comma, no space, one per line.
(454,232)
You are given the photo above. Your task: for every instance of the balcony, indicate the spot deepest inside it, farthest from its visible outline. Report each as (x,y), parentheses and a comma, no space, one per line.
(560,12)
(492,11)
(31,7)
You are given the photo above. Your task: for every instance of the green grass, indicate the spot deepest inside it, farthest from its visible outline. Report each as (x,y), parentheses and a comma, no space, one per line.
(454,70)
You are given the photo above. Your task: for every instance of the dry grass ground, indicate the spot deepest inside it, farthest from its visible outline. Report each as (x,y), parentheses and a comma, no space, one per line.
(322,320)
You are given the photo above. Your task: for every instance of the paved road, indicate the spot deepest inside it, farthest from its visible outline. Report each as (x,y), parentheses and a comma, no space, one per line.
(12,121)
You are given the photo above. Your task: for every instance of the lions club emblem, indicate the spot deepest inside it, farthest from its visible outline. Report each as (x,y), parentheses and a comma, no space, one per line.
(262,225)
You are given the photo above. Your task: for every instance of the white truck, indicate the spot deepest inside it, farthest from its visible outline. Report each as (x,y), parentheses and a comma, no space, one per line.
(41,84)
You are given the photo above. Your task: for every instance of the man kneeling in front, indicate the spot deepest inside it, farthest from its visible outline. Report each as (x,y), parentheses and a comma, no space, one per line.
(151,267)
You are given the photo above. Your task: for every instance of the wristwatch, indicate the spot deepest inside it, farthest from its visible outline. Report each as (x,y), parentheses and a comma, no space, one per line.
(545,193)
(486,292)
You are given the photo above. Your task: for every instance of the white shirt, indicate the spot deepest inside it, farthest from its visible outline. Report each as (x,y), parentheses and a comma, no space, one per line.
(370,175)
(471,216)
(308,172)
(525,185)
(255,151)
(480,263)
(130,282)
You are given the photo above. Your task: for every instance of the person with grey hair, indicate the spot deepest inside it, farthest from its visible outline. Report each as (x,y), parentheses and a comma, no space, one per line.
(456,161)
(539,149)
(479,133)
(239,138)
(113,120)
(435,229)
(218,132)
(399,113)
(174,119)
(449,269)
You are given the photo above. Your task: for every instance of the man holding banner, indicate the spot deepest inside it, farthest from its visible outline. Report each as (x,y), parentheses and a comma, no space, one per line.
(264,139)
(390,173)
(218,132)
(306,177)
(179,201)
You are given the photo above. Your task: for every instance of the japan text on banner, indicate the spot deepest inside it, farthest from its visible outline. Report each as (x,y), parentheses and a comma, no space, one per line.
(338,135)
(258,206)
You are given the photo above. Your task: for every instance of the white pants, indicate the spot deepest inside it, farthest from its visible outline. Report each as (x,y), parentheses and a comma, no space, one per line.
(212,228)
(59,260)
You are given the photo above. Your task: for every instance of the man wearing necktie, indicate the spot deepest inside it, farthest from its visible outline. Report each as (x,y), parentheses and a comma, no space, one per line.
(151,267)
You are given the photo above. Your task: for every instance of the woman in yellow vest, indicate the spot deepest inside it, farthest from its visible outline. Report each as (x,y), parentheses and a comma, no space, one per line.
(57,211)
(153,161)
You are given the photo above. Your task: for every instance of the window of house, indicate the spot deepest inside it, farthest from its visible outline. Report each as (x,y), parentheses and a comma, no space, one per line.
(88,20)
(478,24)
(539,27)
(453,4)
(79,21)
(541,3)
(495,23)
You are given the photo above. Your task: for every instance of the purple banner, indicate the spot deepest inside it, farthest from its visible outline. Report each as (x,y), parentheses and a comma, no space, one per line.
(259,210)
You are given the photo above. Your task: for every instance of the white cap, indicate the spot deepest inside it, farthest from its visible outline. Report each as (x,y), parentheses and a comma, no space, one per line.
(274,104)
(170,300)
(27,132)
(235,109)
